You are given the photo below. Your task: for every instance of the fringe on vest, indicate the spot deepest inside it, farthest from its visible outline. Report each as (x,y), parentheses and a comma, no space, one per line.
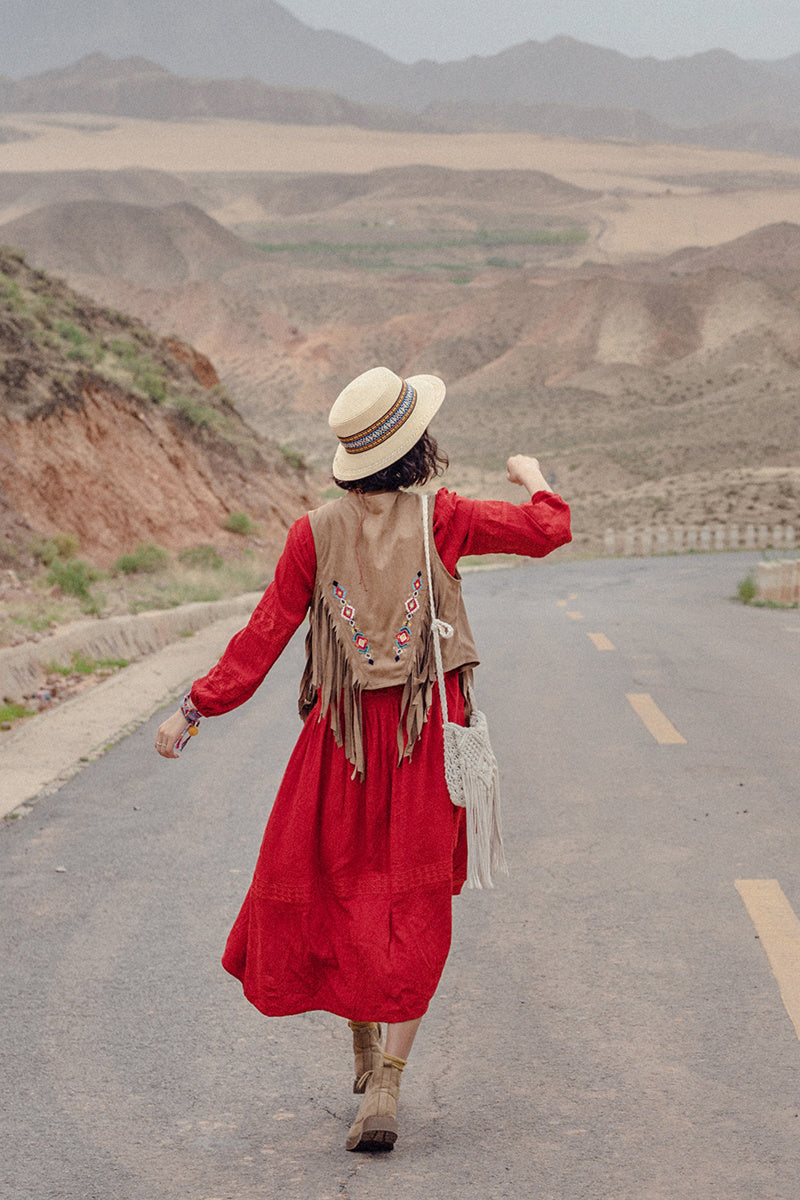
(329,679)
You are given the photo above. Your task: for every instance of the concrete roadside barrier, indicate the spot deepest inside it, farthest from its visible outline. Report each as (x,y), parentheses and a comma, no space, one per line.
(38,756)
(23,668)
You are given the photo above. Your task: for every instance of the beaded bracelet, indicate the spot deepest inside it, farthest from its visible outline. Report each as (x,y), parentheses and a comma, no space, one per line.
(191,715)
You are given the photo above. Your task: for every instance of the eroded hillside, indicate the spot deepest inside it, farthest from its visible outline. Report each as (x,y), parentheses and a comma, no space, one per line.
(117,437)
(657,392)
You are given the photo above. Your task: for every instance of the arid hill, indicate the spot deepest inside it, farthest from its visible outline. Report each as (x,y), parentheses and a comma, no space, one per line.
(118,437)
(250,202)
(135,87)
(656,392)
(764,253)
(157,246)
(605,123)
(528,191)
(22,192)
(652,395)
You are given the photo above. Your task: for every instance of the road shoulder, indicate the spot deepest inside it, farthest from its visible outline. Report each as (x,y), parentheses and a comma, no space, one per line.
(50,748)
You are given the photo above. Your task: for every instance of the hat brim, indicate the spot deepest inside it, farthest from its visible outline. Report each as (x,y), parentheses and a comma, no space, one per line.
(430,394)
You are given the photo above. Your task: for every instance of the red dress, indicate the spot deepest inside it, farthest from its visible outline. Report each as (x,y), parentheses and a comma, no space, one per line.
(350,905)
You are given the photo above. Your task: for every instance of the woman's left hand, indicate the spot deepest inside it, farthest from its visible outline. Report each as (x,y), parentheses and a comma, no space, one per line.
(168,733)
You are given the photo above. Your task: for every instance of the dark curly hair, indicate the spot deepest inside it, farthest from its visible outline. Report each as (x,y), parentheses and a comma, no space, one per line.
(423,462)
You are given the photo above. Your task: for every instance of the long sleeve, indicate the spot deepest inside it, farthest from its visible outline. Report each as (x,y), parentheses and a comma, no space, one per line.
(460,527)
(251,652)
(533,529)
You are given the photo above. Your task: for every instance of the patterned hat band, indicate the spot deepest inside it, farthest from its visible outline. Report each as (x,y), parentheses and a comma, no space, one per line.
(386,426)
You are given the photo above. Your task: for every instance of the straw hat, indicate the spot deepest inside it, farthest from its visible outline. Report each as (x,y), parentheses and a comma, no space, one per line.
(378,417)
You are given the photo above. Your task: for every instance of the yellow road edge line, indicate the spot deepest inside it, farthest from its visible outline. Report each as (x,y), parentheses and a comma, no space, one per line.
(654,720)
(778,930)
(601,641)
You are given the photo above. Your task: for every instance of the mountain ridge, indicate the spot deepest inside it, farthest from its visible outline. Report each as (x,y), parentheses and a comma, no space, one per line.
(269,44)
(140,88)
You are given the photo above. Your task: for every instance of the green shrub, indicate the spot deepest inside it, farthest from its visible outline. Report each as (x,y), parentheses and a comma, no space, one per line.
(747,589)
(150,380)
(146,559)
(42,308)
(293,457)
(82,665)
(499,261)
(94,605)
(13,712)
(202,557)
(200,416)
(92,353)
(232,579)
(11,295)
(239,522)
(61,545)
(127,351)
(74,577)
(147,375)
(68,331)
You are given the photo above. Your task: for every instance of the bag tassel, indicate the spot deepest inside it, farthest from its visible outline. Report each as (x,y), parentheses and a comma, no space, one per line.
(473,780)
(474,784)
(484,841)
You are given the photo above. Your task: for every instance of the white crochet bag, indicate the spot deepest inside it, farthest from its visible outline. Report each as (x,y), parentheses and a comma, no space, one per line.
(470,766)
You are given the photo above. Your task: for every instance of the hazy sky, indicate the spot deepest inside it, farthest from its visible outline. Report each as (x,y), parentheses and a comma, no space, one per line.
(449,29)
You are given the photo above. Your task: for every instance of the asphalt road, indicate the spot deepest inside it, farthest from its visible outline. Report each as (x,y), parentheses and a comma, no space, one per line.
(609,1024)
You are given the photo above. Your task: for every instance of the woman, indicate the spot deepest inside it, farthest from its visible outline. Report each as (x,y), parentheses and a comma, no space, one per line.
(350,905)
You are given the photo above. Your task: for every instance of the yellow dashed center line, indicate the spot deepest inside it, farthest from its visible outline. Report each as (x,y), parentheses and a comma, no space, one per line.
(601,641)
(561,603)
(778,930)
(654,720)
(576,616)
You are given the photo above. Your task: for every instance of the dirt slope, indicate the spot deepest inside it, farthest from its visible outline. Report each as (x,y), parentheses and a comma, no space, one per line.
(119,437)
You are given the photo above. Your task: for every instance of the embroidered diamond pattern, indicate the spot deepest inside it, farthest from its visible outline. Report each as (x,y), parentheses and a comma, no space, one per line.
(403,635)
(360,640)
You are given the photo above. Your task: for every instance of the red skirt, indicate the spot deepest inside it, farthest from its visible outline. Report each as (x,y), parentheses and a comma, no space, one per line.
(350,906)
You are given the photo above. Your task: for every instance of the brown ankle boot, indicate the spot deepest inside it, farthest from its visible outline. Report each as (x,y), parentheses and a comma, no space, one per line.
(375,1127)
(368,1051)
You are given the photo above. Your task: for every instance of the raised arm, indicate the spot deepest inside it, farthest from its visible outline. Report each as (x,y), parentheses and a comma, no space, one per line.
(526,471)
(533,529)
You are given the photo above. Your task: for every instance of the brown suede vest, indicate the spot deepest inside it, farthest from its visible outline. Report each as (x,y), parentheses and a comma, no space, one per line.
(370,616)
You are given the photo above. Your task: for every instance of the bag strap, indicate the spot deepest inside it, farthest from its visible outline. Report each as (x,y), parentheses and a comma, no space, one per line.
(440,628)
